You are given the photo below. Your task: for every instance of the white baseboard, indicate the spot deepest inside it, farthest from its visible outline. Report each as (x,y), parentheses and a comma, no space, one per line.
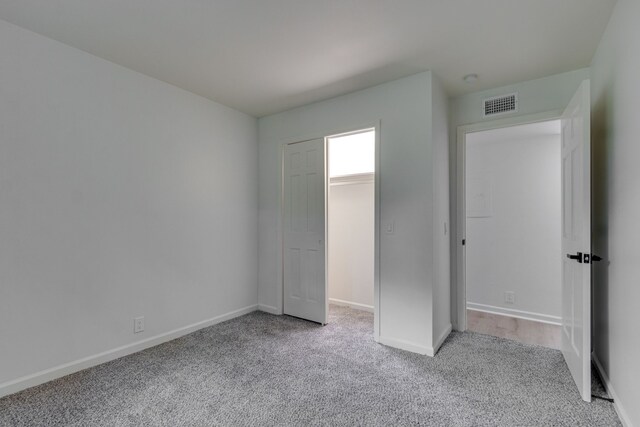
(405,345)
(622,414)
(269,309)
(520,314)
(41,377)
(354,305)
(413,347)
(443,336)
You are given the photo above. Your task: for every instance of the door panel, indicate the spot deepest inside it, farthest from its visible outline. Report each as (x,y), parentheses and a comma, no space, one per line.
(576,239)
(304,231)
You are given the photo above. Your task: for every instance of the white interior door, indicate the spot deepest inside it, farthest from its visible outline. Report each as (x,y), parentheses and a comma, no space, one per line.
(576,239)
(305,289)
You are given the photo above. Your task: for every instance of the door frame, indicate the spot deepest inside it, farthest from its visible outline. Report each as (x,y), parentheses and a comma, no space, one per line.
(460,288)
(325,134)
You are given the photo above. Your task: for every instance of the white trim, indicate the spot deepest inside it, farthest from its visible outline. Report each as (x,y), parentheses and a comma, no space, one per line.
(622,414)
(327,189)
(441,339)
(405,345)
(376,235)
(59,371)
(460,285)
(269,309)
(511,312)
(359,130)
(354,305)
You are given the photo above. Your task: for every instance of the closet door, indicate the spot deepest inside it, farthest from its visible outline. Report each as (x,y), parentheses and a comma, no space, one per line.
(304,255)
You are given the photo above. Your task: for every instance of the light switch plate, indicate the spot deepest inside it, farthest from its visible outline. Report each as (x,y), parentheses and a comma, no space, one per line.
(389,227)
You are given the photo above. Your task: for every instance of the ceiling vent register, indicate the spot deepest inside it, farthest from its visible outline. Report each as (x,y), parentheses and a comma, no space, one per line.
(502,104)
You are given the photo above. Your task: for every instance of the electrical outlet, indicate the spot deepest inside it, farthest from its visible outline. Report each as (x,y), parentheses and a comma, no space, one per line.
(510,297)
(138,325)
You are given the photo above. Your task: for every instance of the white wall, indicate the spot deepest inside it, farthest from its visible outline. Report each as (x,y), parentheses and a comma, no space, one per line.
(441,225)
(551,93)
(120,196)
(615,91)
(351,241)
(404,110)
(515,244)
(534,96)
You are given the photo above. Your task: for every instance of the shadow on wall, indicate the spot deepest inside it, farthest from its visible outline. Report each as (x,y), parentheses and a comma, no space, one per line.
(601,148)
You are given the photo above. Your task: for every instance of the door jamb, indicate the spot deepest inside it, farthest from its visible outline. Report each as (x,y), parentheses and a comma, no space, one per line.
(462,131)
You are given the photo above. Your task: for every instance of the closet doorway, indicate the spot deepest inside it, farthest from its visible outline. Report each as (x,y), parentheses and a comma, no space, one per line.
(351,219)
(330,205)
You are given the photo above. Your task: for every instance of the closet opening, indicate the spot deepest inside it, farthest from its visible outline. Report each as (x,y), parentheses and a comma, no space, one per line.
(351,220)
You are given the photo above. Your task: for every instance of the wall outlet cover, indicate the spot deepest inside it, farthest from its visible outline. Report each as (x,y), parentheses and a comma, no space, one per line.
(510,297)
(138,325)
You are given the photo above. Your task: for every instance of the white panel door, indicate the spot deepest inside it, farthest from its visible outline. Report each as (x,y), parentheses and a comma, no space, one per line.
(576,239)
(305,289)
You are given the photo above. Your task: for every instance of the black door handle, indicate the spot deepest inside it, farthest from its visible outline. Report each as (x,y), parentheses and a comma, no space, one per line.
(577,257)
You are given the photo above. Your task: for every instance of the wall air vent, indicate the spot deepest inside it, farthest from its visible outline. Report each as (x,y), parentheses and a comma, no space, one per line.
(500,105)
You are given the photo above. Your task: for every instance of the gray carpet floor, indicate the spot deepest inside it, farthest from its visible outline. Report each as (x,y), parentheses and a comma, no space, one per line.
(268,370)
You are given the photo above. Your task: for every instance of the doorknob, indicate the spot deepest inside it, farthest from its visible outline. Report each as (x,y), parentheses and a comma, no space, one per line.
(577,257)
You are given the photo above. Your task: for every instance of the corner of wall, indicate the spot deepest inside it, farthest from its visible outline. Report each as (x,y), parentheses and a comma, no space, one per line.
(622,413)
(441,295)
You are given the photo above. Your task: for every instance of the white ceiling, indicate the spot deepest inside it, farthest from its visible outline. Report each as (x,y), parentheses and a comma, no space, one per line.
(266,56)
(513,133)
